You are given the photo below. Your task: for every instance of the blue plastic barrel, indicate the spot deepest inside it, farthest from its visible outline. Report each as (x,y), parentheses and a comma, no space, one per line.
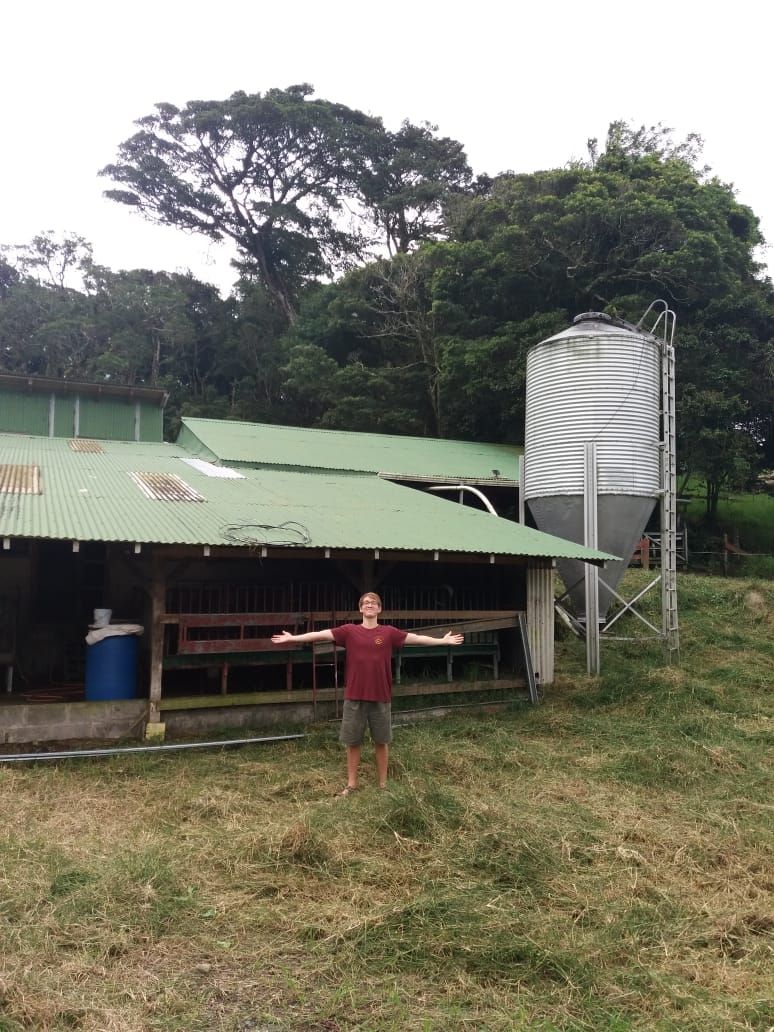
(111,668)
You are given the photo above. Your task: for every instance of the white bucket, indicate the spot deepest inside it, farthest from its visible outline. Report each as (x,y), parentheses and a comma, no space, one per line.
(102,617)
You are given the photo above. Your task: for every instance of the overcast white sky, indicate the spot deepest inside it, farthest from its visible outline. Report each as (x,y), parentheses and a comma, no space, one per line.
(522,86)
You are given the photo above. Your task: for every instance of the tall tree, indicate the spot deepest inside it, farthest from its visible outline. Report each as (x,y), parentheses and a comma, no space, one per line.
(248,370)
(406,187)
(355,357)
(9,275)
(46,327)
(267,171)
(45,331)
(624,140)
(154,327)
(53,262)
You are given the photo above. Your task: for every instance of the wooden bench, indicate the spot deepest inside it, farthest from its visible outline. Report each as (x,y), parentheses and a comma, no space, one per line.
(490,650)
(236,639)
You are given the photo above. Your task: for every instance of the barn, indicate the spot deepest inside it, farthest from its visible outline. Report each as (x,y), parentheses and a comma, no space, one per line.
(141,581)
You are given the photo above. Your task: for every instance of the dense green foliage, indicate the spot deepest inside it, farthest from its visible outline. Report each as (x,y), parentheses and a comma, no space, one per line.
(431,339)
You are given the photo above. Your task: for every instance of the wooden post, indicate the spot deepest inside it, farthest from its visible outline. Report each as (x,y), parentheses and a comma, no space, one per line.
(155,728)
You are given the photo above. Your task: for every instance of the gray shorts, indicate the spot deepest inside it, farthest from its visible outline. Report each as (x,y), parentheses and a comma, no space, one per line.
(357,713)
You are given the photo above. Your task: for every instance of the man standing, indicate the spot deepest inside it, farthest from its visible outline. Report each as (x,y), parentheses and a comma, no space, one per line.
(368,692)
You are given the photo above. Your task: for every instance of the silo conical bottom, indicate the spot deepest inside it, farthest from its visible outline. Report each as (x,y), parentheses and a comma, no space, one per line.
(621,521)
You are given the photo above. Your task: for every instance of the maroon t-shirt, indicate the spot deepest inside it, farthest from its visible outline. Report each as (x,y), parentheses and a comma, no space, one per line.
(369,659)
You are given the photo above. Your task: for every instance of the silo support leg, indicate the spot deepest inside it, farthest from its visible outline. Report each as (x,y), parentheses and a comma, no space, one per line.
(591,540)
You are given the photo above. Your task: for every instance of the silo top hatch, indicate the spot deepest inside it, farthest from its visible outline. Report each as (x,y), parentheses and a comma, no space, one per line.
(597,324)
(592,317)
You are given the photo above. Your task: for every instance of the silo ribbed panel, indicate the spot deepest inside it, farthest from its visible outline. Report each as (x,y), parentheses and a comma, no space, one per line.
(595,384)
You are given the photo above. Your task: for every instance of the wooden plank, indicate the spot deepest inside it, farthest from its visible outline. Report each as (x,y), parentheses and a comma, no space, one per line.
(389,615)
(473,626)
(285,698)
(240,619)
(484,648)
(238,622)
(200,660)
(458,687)
(217,646)
(332,619)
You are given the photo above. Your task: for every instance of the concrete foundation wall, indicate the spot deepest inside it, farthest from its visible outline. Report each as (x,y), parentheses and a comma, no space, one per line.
(24,724)
(201,721)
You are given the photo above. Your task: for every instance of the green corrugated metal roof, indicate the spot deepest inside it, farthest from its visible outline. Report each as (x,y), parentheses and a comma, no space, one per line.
(262,444)
(92,496)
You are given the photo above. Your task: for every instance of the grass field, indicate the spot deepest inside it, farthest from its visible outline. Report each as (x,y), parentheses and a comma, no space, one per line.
(746,517)
(604,861)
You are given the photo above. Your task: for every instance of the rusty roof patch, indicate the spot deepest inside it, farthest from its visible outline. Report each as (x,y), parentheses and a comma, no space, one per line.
(19,479)
(166,487)
(83,444)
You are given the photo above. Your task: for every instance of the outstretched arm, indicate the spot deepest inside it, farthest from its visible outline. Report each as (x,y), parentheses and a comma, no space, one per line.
(424,639)
(286,636)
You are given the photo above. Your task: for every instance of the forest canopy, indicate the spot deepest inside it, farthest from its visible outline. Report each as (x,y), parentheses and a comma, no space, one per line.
(384,287)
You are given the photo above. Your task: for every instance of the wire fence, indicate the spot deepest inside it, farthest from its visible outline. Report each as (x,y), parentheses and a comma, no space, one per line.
(732,563)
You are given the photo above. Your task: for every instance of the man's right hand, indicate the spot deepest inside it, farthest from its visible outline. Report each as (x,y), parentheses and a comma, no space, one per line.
(278,639)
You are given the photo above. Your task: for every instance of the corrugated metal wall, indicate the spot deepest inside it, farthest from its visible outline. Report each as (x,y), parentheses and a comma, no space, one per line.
(43,414)
(151,422)
(64,416)
(105,419)
(540,620)
(24,413)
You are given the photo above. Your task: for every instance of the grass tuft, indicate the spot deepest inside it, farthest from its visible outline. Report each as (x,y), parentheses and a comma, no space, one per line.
(301,845)
(420,810)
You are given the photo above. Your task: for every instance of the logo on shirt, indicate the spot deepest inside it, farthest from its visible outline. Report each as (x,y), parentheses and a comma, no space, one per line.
(378,641)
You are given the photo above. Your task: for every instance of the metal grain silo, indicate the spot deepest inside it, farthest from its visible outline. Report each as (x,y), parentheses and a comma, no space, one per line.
(599,381)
